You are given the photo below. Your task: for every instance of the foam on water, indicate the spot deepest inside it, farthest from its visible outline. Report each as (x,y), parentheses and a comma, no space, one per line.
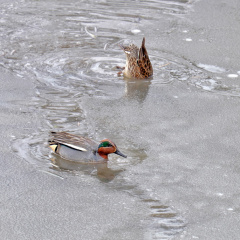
(211,68)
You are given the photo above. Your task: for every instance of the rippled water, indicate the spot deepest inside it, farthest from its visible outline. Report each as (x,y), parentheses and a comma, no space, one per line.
(72,49)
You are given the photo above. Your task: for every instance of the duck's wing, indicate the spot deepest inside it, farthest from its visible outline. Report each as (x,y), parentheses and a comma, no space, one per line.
(72,141)
(144,62)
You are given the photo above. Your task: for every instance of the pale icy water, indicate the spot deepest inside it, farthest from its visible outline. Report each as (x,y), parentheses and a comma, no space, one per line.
(170,126)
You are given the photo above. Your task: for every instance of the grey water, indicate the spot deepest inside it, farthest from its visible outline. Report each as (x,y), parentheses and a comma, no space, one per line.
(180,129)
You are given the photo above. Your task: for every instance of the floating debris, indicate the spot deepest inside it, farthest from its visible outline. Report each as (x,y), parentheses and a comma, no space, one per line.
(135,31)
(90,34)
(232,75)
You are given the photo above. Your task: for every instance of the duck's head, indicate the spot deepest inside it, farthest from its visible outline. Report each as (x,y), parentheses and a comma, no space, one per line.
(106,147)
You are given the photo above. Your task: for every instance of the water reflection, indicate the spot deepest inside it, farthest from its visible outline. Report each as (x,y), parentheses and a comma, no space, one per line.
(101,170)
(137,89)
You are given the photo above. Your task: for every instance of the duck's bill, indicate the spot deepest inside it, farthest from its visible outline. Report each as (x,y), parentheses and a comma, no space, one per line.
(120,154)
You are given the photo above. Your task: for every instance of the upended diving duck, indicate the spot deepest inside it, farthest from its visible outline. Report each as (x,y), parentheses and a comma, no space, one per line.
(138,64)
(82,149)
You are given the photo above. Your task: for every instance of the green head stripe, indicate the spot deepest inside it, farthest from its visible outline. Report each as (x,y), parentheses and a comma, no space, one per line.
(105,144)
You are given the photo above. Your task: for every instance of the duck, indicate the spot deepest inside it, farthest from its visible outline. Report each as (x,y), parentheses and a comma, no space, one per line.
(138,64)
(82,149)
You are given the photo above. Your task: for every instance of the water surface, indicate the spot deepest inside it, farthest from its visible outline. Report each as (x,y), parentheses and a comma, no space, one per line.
(171,126)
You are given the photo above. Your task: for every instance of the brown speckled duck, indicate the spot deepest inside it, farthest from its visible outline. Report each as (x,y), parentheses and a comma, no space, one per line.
(138,64)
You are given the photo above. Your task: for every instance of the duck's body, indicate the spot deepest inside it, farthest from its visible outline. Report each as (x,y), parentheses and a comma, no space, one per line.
(81,149)
(138,64)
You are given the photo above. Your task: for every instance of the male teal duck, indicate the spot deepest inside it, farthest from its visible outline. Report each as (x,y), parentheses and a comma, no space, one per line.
(82,149)
(138,64)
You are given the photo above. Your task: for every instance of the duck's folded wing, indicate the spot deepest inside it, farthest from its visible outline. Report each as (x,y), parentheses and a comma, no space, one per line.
(144,61)
(72,141)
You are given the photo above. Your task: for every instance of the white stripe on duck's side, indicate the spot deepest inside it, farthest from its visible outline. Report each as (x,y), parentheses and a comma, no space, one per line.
(75,147)
(54,146)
